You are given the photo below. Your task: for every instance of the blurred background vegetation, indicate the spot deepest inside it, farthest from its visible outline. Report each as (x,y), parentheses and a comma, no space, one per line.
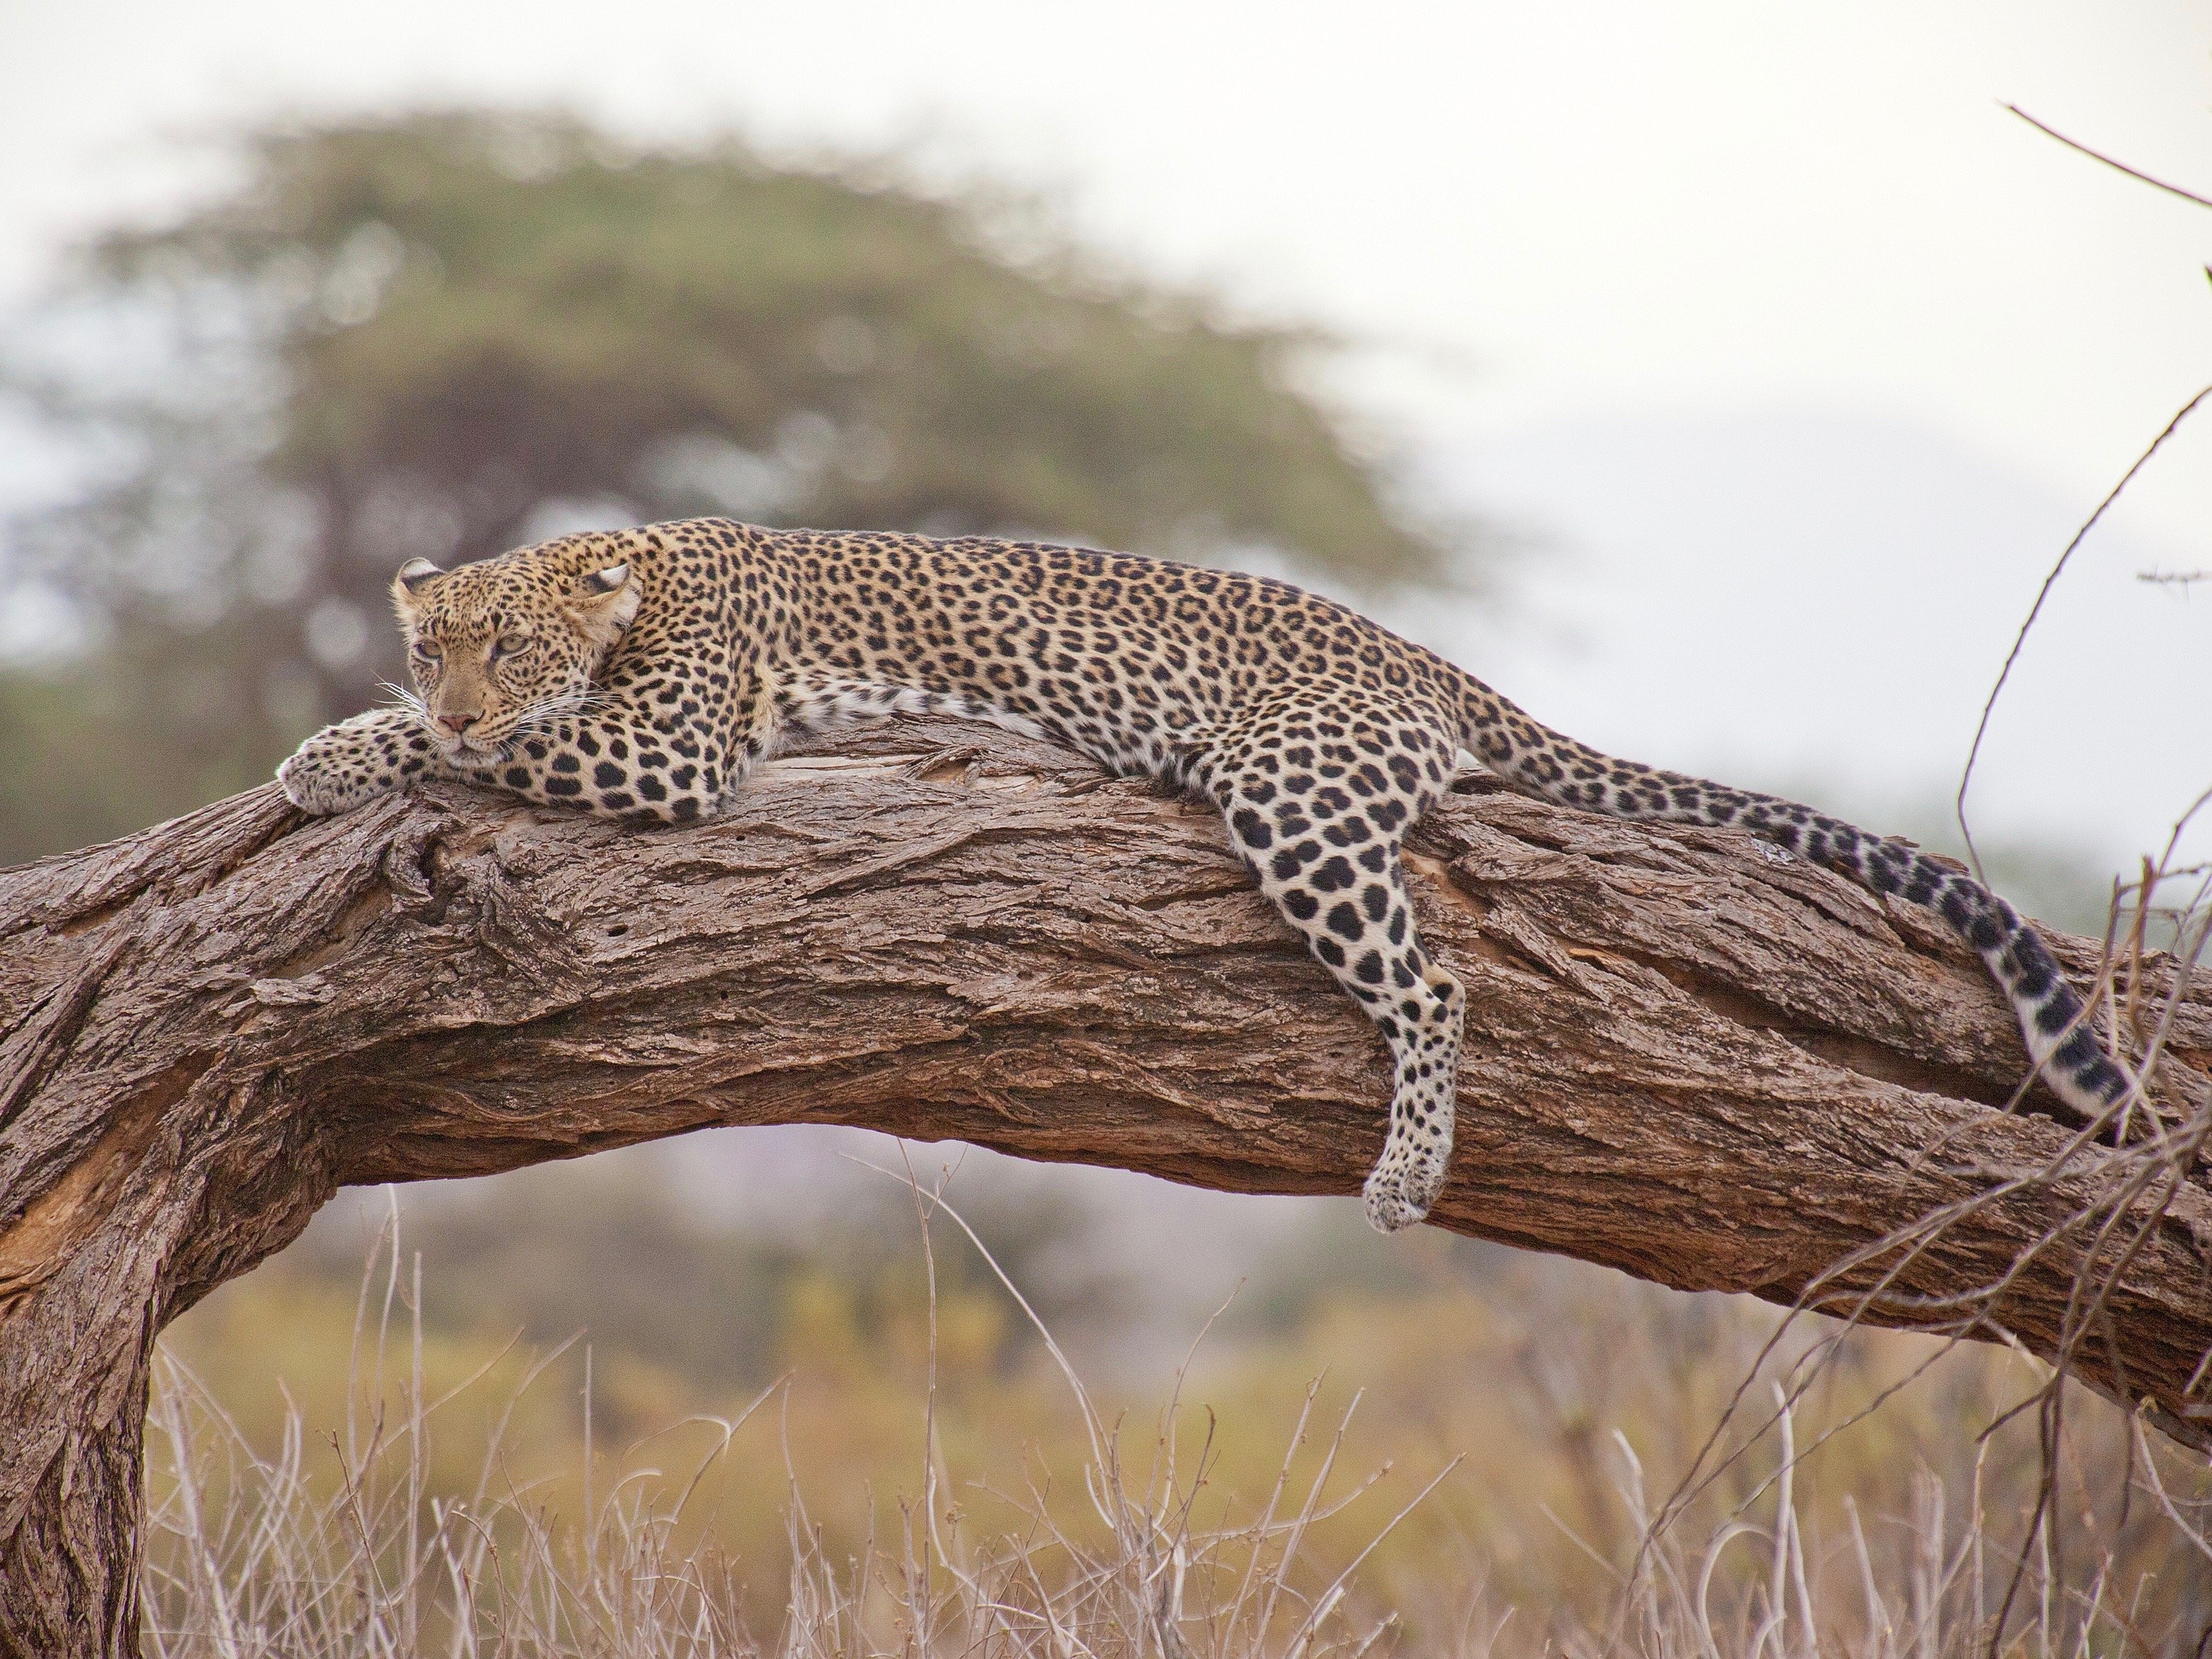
(447,334)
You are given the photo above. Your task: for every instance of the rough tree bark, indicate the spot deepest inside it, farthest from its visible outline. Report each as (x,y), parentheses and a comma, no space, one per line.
(1687,1058)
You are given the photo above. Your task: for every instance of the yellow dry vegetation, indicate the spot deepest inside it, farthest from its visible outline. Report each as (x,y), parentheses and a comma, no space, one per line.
(1547,1410)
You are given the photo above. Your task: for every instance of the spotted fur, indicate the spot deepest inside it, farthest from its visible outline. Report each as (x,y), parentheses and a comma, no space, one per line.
(646,672)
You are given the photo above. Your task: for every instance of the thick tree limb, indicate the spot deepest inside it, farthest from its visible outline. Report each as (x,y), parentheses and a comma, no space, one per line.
(1686,1057)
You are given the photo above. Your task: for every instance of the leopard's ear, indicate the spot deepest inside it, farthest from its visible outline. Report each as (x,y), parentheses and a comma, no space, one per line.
(605,602)
(407,586)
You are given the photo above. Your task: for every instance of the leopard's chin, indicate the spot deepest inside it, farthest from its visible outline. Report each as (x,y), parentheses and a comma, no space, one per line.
(462,752)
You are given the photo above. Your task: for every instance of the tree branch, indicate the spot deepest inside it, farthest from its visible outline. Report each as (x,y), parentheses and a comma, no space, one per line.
(1687,1057)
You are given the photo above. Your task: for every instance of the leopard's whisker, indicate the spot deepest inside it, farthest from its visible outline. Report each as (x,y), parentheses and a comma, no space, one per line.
(408,698)
(536,717)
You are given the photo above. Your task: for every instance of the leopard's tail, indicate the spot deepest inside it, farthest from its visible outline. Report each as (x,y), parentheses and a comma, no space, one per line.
(2060,1037)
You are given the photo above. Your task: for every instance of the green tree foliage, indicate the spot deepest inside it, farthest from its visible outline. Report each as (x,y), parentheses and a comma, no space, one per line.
(444,335)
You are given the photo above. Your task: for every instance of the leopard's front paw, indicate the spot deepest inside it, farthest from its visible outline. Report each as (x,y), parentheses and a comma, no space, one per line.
(324,784)
(351,764)
(355,761)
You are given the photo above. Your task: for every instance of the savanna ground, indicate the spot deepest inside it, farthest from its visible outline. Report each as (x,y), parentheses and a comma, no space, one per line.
(570,1415)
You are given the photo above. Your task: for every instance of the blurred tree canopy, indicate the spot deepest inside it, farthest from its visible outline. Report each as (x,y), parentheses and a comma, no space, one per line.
(448,334)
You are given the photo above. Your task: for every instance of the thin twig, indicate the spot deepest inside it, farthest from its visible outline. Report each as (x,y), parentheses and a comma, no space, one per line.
(1966,777)
(2120,166)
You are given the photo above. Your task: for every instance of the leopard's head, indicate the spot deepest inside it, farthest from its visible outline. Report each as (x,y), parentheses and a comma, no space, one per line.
(500,648)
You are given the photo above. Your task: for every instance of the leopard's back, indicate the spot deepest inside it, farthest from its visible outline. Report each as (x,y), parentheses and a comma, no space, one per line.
(1142,663)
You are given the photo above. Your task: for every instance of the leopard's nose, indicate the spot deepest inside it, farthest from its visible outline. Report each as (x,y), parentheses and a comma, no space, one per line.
(457,724)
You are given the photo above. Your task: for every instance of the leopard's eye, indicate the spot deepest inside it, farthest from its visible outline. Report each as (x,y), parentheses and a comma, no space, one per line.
(428,650)
(508,645)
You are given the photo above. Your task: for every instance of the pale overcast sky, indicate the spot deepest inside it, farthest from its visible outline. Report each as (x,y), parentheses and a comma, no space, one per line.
(1800,358)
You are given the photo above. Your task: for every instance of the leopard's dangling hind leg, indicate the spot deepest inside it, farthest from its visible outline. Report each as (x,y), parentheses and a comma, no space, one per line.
(1317,802)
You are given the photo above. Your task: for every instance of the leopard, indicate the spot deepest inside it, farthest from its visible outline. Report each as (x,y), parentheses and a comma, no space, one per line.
(641,674)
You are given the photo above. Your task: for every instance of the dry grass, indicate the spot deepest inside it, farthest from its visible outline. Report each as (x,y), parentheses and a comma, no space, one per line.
(248,1554)
(360,1540)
